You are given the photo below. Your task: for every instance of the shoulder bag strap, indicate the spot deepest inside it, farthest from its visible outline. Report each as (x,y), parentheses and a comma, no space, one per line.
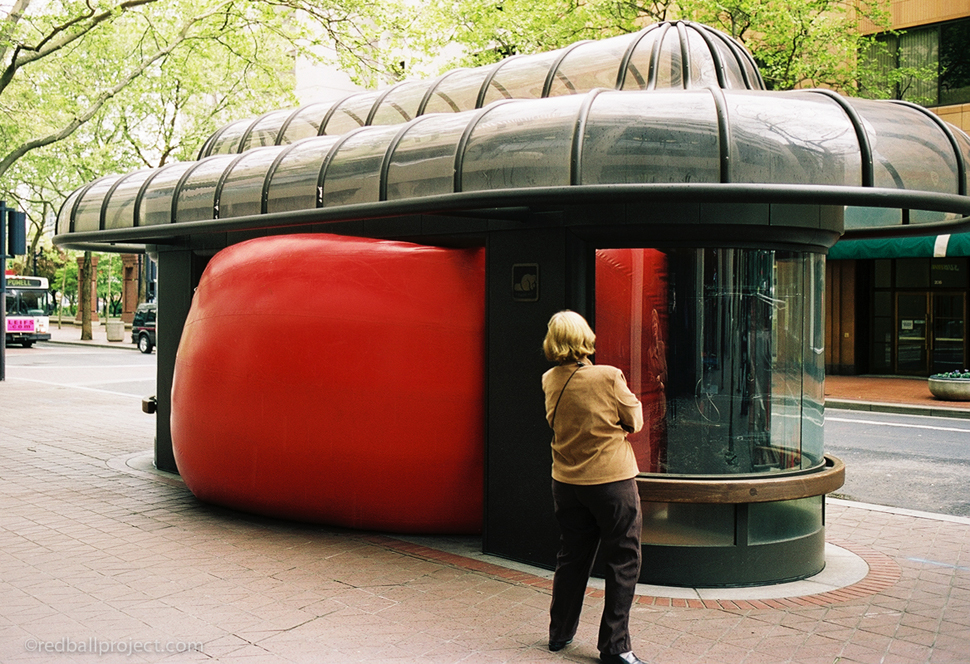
(556,409)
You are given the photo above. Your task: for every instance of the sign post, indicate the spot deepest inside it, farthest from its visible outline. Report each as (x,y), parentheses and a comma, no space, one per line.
(13,222)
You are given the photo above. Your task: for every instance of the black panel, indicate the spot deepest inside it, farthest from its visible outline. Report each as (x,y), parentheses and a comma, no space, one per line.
(178,275)
(519,521)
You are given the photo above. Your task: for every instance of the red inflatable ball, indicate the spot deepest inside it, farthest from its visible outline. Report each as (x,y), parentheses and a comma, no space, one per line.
(336,380)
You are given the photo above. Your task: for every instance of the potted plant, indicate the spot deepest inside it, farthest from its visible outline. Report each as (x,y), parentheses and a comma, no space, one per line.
(952,385)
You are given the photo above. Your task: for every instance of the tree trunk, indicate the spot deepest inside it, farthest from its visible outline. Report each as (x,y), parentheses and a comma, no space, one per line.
(84,297)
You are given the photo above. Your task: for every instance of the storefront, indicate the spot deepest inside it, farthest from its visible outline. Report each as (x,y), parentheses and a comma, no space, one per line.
(907,302)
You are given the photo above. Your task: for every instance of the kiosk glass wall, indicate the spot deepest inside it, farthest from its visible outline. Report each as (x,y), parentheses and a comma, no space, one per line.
(740,326)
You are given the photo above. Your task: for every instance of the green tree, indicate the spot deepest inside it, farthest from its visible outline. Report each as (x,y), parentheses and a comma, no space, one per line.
(801,43)
(91,87)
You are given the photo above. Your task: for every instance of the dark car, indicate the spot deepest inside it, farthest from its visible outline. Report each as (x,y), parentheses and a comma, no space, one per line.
(143,327)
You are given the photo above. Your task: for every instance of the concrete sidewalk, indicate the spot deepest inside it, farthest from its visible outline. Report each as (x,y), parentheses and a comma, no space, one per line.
(102,552)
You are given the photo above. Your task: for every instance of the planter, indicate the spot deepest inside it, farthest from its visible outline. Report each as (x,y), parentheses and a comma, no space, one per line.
(950,389)
(115,329)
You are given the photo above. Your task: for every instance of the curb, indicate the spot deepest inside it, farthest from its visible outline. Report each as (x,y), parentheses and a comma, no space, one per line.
(897,408)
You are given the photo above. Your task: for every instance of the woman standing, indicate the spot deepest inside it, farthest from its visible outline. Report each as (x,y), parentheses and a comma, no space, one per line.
(591,409)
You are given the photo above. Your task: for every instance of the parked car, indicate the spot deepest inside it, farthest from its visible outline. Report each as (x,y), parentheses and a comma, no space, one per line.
(143,327)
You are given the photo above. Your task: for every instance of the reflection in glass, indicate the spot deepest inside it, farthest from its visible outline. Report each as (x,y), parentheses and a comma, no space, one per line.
(228,140)
(687,524)
(88,215)
(521,144)
(590,65)
(784,520)
(156,203)
(242,189)
(740,326)
(520,78)
(809,141)
(907,153)
(643,137)
(354,173)
(120,210)
(293,185)
(196,199)
(423,163)
(457,91)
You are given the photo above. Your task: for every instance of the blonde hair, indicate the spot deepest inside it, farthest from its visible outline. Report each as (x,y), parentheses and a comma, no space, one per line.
(569,337)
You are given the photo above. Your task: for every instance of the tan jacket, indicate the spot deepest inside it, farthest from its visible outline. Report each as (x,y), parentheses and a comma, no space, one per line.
(590,445)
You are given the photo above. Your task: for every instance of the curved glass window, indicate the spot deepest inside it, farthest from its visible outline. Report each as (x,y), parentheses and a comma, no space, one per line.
(524,144)
(401,103)
(423,163)
(120,210)
(646,137)
(746,395)
(520,78)
(266,130)
(156,203)
(457,91)
(910,154)
(810,142)
(305,123)
(196,198)
(293,185)
(732,68)
(228,141)
(88,215)
(350,114)
(354,173)
(590,65)
(637,75)
(242,190)
(64,215)
(703,69)
(963,143)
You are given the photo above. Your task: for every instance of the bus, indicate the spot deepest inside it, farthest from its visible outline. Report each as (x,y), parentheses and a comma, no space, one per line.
(28,304)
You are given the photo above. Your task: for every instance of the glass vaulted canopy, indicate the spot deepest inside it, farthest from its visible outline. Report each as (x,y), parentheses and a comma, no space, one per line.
(680,54)
(690,137)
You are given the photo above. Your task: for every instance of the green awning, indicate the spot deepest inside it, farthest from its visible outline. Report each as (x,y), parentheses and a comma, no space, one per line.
(930,246)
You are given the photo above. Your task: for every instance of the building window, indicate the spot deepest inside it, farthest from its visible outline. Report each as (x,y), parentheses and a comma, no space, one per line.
(929,65)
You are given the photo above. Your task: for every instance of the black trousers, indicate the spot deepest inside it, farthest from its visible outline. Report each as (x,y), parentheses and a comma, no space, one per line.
(591,517)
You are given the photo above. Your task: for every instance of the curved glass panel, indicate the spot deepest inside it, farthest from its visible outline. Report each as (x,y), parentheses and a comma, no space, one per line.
(351,113)
(423,163)
(733,78)
(401,103)
(776,141)
(458,91)
(88,215)
(306,123)
(196,198)
(703,71)
(228,140)
(354,174)
(64,214)
(520,78)
(156,204)
(522,144)
(651,137)
(590,65)
(266,129)
(670,62)
(242,191)
(963,141)
(637,75)
(908,150)
(120,212)
(746,359)
(293,185)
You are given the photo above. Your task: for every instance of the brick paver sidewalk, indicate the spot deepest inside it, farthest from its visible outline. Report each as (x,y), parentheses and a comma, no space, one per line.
(97,553)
